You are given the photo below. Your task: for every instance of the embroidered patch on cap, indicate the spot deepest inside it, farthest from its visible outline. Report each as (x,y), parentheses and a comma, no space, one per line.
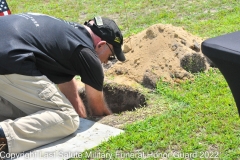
(117,39)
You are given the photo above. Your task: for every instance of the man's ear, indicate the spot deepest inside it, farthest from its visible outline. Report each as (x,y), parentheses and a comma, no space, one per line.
(100,44)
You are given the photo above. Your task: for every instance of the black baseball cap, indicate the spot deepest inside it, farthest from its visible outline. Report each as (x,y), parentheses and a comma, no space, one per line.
(108,30)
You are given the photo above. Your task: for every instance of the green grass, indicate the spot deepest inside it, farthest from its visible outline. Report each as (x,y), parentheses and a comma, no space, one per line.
(201,118)
(204,18)
(211,118)
(202,122)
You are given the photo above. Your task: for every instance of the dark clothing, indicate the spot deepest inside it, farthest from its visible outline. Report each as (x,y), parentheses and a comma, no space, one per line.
(35,44)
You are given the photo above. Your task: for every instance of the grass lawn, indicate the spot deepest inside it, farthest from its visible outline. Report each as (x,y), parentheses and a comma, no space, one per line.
(201,123)
(201,120)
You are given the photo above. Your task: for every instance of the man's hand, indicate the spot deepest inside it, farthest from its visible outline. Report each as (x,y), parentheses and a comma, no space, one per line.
(96,102)
(70,90)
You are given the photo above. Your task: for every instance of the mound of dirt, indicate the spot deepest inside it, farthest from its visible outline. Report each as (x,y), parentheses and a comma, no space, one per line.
(160,51)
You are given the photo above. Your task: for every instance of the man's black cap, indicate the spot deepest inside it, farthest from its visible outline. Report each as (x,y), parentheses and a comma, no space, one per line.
(108,30)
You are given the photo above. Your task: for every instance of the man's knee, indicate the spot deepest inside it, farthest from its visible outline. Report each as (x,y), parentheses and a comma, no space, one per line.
(72,122)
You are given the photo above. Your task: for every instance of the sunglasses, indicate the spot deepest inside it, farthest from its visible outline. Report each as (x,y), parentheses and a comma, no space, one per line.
(111,57)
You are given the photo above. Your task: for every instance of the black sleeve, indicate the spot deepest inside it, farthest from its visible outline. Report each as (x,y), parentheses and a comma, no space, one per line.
(89,67)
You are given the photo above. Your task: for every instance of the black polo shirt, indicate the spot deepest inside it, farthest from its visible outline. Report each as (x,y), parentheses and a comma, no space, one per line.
(36,44)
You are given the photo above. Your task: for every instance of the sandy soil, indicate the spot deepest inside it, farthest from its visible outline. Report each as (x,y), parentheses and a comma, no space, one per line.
(160,51)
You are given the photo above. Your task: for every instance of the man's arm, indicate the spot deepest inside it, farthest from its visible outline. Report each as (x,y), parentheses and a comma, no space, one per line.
(96,102)
(70,90)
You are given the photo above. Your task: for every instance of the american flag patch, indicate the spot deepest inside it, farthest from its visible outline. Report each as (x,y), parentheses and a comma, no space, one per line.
(4,10)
